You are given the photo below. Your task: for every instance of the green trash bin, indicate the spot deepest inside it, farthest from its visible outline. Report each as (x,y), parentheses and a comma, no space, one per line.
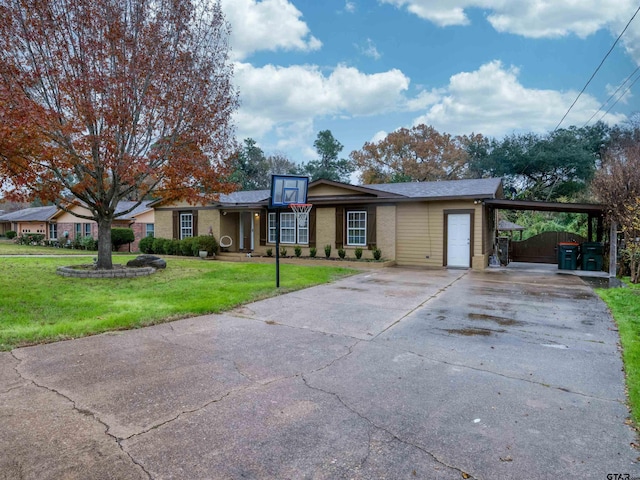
(592,256)
(567,256)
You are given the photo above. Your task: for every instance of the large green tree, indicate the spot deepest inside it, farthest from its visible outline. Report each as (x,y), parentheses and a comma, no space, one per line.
(104,99)
(543,167)
(328,165)
(252,170)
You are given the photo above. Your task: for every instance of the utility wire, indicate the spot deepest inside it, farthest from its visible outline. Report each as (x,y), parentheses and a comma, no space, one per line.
(597,69)
(613,95)
(620,97)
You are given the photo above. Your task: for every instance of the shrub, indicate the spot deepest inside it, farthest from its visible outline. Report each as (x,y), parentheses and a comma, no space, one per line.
(312,252)
(341,253)
(146,245)
(30,239)
(121,236)
(377,253)
(358,253)
(158,245)
(297,251)
(327,251)
(88,243)
(189,247)
(208,243)
(283,252)
(11,234)
(171,247)
(269,252)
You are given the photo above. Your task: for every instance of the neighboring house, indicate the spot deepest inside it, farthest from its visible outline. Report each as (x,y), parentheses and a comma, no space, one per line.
(141,220)
(420,223)
(28,220)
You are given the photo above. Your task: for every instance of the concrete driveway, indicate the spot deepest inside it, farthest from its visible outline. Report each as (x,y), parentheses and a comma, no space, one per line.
(396,373)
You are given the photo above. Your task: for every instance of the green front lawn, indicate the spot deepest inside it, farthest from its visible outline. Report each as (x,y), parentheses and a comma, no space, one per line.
(9,247)
(624,304)
(37,305)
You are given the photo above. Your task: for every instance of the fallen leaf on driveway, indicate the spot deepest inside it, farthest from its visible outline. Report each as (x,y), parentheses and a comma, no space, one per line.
(506,459)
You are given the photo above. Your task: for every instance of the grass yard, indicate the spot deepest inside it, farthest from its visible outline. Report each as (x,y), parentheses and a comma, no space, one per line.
(37,305)
(624,304)
(8,247)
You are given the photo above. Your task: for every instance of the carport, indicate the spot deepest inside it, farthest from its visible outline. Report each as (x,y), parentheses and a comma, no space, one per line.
(595,214)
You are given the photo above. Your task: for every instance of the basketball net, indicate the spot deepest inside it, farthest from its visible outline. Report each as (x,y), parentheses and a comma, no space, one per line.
(302,211)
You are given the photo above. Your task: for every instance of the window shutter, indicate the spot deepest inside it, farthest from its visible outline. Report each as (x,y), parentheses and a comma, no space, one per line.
(312,227)
(264,217)
(339,227)
(371,227)
(176,225)
(194,214)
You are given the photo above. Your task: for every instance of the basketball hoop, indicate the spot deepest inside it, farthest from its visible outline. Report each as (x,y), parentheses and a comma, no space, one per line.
(302,211)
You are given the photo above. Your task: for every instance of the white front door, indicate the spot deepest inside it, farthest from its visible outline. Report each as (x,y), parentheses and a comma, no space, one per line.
(458,240)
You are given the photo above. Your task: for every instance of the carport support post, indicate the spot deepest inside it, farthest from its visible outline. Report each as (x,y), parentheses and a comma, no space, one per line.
(613,249)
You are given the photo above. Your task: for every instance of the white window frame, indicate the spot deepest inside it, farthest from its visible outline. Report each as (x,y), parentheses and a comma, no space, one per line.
(271,227)
(186,225)
(150,232)
(303,230)
(86,229)
(361,230)
(299,231)
(53,231)
(288,228)
(78,230)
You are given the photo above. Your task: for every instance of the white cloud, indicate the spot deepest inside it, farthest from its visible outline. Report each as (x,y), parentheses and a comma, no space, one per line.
(369,50)
(378,136)
(493,102)
(284,101)
(350,6)
(423,100)
(537,18)
(266,25)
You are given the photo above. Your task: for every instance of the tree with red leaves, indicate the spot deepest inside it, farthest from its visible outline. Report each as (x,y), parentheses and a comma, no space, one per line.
(419,154)
(104,100)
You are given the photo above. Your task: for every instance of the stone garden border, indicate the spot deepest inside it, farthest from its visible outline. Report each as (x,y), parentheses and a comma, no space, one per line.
(86,271)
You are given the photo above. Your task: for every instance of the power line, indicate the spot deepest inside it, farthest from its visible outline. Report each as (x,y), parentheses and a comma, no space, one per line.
(613,95)
(620,97)
(597,69)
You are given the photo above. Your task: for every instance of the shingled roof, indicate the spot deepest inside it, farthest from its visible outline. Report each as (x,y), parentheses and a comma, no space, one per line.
(32,214)
(482,188)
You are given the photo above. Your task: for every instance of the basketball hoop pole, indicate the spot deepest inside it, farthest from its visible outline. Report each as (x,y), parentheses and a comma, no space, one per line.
(277,248)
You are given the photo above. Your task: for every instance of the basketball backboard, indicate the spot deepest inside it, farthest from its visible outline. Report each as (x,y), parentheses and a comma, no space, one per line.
(288,189)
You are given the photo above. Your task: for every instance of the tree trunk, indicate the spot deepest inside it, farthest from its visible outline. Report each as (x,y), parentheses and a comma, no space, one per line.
(104,244)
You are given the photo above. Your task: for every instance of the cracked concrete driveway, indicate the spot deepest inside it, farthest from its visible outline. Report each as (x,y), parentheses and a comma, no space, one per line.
(396,373)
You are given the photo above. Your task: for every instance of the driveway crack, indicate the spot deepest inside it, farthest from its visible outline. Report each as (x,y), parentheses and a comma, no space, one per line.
(82,411)
(387,431)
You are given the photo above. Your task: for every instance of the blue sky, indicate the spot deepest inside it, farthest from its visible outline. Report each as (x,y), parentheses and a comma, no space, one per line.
(363,68)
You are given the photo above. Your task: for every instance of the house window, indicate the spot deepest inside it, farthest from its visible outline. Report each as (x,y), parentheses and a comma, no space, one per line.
(288,228)
(150,230)
(53,231)
(272,228)
(357,228)
(87,229)
(186,225)
(78,230)
(292,229)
